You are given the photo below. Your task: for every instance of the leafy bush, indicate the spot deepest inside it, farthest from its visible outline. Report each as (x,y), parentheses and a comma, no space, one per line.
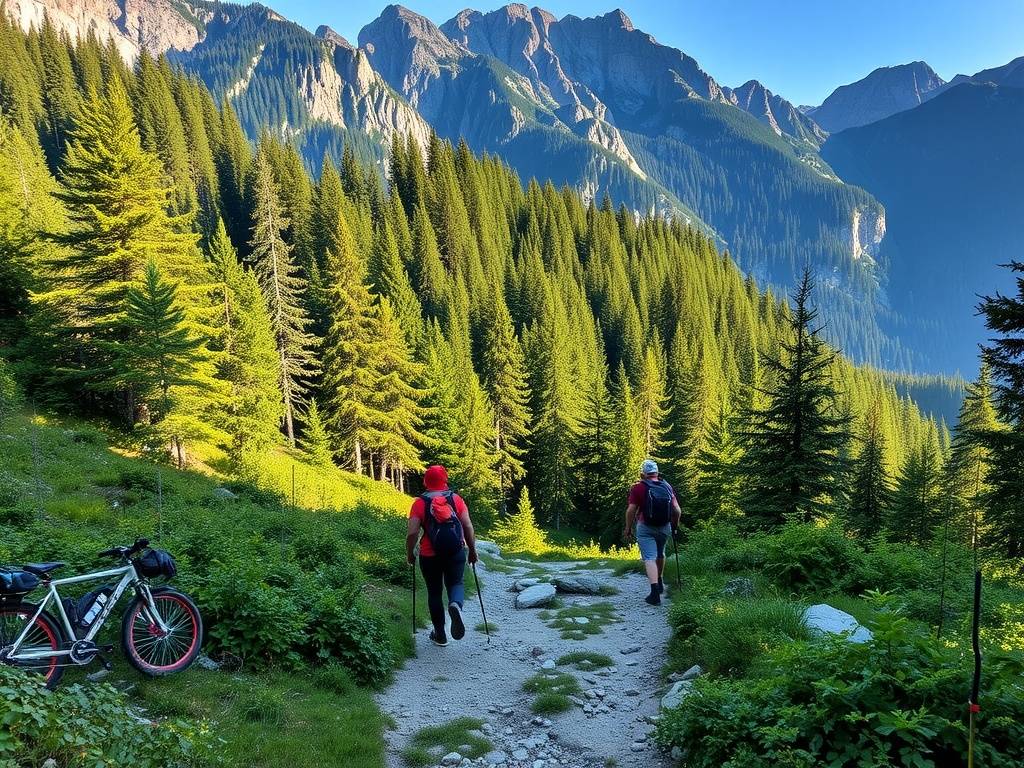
(894,701)
(808,558)
(83,727)
(338,629)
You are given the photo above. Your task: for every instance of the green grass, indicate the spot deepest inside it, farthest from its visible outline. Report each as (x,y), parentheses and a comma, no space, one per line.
(585,660)
(273,719)
(598,616)
(483,627)
(551,692)
(430,744)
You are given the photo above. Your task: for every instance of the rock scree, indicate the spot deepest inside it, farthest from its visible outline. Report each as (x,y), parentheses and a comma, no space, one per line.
(612,716)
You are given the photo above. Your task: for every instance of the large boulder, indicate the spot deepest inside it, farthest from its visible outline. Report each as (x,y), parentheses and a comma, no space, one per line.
(535,596)
(577,583)
(488,547)
(525,583)
(679,691)
(823,619)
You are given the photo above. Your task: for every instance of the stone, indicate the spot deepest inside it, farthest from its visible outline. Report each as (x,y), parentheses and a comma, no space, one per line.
(537,651)
(538,764)
(205,662)
(577,584)
(452,758)
(549,664)
(582,620)
(630,649)
(496,757)
(489,547)
(638,746)
(535,596)
(526,583)
(692,673)
(823,619)
(224,493)
(632,691)
(49,763)
(97,676)
(520,754)
(739,587)
(679,691)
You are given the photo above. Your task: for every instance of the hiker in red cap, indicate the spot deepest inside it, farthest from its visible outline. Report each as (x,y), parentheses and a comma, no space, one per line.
(446,544)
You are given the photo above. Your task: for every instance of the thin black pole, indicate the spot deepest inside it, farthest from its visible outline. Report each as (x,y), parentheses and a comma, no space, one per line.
(974,705)
(480,594)
(413,570)
(675,547)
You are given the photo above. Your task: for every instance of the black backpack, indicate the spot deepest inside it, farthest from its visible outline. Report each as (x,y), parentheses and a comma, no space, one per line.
(444,532)
(658,510)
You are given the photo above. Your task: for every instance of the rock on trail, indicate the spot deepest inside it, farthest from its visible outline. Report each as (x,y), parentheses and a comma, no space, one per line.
(612,715)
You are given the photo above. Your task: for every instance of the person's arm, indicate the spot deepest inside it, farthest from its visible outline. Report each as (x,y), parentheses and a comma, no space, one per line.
(467,531)
(677,512)
(412,537)
(627,531)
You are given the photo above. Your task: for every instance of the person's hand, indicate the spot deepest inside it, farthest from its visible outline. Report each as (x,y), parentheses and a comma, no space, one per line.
(627,534)
(472,556)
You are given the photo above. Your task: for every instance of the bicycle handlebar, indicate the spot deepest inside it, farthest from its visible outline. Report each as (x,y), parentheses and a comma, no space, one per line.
(125,552)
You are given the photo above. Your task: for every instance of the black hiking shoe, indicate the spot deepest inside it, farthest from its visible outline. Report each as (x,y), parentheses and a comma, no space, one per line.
(653,599)
(437,639)
(458,625)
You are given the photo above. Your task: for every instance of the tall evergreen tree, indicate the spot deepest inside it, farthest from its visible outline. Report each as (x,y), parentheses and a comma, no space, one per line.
(716,493)
(315,441)
(793,443)
(917,504)
(871,494)
(283,289)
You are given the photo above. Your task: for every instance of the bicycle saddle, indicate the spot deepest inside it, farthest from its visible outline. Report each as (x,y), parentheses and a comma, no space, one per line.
(42,569)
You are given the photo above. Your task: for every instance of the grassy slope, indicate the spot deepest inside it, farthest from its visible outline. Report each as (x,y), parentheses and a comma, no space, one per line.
(68,473)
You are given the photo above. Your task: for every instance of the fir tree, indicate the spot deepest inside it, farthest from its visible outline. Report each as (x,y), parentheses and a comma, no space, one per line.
(871,494)
(282,289)
(917,503)
(716,493)
(793,443)
(315,441)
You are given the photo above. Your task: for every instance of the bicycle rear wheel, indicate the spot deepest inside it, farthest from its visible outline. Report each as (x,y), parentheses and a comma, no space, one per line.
(157,653)
(43,635)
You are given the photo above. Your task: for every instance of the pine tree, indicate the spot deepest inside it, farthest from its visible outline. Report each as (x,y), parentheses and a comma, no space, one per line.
(716,493)
(282,289)
(871,494)
(519,532)
(117,203)
(169,369)
(315,441)
(249,361)
(793,443)
(917,501)
(504,380)
(650,402)
(1004,501)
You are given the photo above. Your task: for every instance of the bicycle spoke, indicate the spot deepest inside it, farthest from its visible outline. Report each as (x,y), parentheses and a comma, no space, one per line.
(167,649)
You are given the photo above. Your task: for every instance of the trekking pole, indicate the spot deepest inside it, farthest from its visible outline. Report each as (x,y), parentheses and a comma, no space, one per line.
(675,548)
(487,627)
(412,568)
(974,707)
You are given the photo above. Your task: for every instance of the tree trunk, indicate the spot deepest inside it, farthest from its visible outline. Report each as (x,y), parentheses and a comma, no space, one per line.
(359,457)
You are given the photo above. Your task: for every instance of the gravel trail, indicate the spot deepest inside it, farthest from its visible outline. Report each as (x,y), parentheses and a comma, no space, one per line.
(611,719)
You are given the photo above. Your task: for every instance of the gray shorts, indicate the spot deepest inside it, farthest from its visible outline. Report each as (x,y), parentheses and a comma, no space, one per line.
(652,540)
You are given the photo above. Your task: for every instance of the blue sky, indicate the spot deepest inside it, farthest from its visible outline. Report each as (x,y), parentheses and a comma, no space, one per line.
(801,49)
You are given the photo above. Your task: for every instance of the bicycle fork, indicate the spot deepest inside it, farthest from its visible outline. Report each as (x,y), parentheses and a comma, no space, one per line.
(150,610)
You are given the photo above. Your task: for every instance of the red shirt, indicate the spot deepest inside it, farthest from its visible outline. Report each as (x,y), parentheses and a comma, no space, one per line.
(419,511)
(638,496)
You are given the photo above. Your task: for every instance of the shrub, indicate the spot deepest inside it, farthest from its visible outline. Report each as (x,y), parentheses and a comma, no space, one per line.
(90,726)
(896,701)
(809,558)
(338,629)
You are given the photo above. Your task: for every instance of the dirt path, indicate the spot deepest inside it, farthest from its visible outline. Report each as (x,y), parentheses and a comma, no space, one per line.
(610,721)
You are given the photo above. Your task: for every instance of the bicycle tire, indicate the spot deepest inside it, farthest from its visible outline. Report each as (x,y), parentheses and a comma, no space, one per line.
(46,632)
(156,655)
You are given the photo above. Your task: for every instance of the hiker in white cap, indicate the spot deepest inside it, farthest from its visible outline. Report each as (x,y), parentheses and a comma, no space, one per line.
(655,509)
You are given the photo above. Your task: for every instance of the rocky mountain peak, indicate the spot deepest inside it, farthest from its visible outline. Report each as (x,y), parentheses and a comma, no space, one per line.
(618,18)
(329,35)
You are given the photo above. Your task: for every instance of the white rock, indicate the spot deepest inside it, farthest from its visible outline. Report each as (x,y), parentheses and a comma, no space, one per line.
(638,746)
(679,691)
(489,547)
(520,754)
(535,596)
(692,673)
(578,584)
(582,620)
(522,584)
(630,649)
(823,619)
(497,757)
(632,692)
(538,764)
(452,758)
(549,664)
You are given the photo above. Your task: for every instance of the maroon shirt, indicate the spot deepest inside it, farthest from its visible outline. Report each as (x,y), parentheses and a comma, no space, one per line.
(638,496)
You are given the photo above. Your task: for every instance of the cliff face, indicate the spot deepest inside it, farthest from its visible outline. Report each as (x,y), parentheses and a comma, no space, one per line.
(134,25)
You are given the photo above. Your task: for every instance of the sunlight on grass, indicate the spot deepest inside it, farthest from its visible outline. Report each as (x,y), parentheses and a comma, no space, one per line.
(429,745)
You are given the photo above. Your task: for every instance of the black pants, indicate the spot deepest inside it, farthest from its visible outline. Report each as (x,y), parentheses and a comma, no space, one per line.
(443,573)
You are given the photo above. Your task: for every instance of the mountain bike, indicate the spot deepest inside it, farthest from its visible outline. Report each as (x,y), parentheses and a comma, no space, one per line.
(161,631)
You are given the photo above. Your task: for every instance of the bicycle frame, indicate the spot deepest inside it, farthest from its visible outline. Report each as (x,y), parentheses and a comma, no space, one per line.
(128,578)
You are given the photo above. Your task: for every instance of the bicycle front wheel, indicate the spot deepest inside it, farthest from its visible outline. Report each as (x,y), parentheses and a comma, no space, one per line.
(43,635)
(153,651)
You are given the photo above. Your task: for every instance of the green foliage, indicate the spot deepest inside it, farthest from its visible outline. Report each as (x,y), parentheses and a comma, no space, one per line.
(519,532)
(552,691)
(585,660)
(812,558)
(82,726)
(445,738)
(896,700)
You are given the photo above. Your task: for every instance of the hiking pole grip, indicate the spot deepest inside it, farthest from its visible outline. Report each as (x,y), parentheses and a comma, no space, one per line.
(480,594)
